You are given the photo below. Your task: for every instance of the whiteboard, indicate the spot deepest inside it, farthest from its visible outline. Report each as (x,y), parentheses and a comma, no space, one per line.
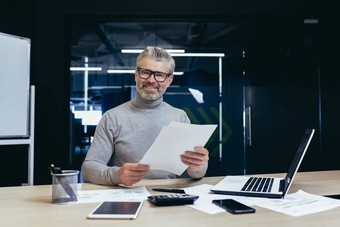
(14,86)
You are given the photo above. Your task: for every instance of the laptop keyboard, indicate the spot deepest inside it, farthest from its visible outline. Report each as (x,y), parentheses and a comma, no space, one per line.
(258,184)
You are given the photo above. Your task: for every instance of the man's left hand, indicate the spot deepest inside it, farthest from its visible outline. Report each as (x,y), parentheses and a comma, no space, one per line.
(197,159)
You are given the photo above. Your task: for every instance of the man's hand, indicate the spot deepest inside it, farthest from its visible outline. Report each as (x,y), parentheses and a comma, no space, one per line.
(131,173)
(197,159)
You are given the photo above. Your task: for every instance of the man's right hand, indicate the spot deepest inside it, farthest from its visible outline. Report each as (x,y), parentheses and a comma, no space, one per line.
(131,173)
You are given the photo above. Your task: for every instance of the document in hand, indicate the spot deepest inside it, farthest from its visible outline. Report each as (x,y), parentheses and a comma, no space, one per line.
(174,140)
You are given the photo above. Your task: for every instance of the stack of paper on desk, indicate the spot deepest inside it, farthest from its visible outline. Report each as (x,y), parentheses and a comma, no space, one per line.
(174,140)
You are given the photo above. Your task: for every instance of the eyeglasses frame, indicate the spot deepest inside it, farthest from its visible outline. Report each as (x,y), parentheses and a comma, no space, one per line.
(152,73)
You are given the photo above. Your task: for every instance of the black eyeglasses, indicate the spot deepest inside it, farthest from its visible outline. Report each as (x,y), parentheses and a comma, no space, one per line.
(146,73)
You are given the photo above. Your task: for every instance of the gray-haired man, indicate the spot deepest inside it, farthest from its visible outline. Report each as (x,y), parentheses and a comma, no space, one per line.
(126,132)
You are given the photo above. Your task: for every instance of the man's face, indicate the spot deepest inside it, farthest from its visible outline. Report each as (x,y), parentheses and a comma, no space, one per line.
(151,89)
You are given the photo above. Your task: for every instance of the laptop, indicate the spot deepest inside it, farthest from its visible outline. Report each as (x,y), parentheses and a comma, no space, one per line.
(267,187)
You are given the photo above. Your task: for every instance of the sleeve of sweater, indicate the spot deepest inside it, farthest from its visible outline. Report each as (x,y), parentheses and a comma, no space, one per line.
(94,168)
(199,173)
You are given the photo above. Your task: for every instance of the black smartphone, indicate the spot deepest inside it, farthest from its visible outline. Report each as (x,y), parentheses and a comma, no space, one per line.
(337,196)
(233,206)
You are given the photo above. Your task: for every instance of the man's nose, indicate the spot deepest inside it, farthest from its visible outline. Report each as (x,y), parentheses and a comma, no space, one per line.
(151,78)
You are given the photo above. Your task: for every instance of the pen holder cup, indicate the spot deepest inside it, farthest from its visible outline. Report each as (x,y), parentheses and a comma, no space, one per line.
(65,187)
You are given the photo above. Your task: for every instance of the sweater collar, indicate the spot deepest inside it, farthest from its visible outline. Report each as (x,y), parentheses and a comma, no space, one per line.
(142,103)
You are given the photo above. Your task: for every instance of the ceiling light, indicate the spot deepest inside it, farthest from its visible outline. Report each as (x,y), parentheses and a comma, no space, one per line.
(86,68)
(120,71)
(136,51)
(132,71)
(198,55)
(178,53)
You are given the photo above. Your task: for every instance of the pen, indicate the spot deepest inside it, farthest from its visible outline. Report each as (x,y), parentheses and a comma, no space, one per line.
(174,190)
(55,170)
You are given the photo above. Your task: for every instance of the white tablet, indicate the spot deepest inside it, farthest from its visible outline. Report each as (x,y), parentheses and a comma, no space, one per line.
(117,210)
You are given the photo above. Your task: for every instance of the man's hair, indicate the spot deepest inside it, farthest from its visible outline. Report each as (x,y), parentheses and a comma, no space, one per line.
(158,54)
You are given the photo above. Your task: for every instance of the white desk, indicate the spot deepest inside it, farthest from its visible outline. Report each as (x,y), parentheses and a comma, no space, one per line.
(31,206)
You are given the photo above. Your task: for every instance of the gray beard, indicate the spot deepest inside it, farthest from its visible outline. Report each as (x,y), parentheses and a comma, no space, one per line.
(148,96)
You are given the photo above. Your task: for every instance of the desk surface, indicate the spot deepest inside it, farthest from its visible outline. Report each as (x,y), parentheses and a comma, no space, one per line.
(31,206)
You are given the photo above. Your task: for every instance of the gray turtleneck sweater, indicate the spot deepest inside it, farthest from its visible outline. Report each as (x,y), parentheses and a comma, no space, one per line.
(124,134)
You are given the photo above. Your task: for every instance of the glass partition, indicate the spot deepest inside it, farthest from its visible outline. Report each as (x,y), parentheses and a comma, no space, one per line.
(207,83)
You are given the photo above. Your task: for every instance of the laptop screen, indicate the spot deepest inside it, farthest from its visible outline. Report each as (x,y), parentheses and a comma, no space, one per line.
(298,158)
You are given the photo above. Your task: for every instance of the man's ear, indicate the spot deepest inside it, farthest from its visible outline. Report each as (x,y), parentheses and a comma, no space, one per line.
(136,75)
(170,80)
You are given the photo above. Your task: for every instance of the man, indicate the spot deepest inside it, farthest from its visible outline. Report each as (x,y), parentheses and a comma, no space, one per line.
(126,132)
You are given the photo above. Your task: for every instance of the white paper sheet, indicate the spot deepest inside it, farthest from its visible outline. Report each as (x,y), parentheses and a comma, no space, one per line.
(174,140)
(300,203)
(296,204)
(91,196)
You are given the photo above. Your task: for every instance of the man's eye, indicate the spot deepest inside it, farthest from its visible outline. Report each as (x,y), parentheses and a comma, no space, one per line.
(159,75)
(146,72)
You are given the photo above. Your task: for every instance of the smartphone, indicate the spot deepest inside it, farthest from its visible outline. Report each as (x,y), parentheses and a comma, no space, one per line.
(337,196)
(117,210)
(233,206)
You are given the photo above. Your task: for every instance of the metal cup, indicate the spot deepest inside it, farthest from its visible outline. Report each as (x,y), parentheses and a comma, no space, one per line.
(65,187)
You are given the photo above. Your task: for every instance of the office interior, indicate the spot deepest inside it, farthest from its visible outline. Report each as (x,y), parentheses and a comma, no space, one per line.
(273,74)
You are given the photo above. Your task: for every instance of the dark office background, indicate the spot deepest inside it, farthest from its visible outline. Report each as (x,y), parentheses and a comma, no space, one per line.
(46,22)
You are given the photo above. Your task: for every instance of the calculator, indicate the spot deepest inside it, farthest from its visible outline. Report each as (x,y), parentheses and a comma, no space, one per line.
(172,199)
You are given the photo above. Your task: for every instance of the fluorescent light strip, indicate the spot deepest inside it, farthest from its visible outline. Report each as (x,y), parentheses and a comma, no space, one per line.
(178,53)
(105,87)
(132,71)
(198,55)
(120,71)
(177,93)
(86,68)
(136,51)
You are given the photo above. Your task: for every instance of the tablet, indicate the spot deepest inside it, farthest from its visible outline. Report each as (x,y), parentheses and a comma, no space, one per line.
(117,210)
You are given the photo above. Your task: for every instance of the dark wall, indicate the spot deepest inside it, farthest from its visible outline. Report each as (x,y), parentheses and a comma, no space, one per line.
(17,18)
(45,23)
(330,80)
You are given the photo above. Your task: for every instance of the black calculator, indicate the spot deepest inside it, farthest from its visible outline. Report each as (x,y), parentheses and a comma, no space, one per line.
(172,199)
